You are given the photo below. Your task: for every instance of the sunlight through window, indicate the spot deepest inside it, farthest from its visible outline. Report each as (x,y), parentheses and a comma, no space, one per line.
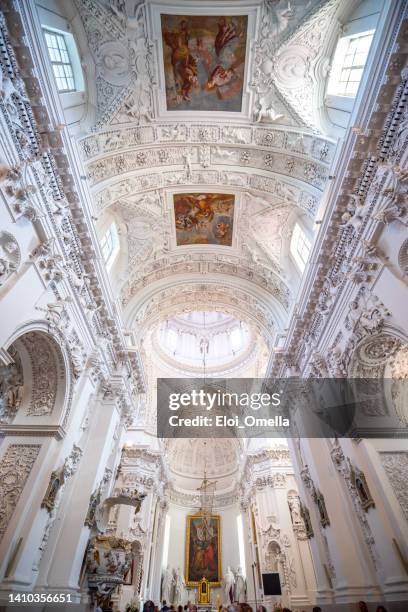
(300,247)
(241,546)
(60,60)
(110,245)
(348,65)
(166,541)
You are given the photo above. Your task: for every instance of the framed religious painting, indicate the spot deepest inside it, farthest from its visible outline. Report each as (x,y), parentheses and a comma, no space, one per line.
(204,218)
(203,549)
(204,56)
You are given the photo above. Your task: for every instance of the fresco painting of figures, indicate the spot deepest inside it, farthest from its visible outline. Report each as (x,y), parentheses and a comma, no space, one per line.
(204,218)
(204,61)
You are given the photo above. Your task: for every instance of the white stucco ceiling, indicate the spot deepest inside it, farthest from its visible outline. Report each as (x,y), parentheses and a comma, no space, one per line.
(205,198)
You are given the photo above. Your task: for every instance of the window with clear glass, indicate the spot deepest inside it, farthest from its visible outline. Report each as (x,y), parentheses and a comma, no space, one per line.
(60,60)
(300,247)
(303,247)
(348,64)
(110,245)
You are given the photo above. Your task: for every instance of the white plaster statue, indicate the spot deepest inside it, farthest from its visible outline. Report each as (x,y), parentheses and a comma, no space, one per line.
(179,587)
(240,587)
(167,585)
(14,396)
(8,257)
(294,506)
(228,588)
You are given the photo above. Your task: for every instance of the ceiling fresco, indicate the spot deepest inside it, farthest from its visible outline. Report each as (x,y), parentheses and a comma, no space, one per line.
(123,39)
(204,218)
(204,61)
(203,137)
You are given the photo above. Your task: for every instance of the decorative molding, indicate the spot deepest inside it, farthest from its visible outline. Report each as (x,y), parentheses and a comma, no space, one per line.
(53,495)
(11,387)
(192,500)
(45,375)
(311,172)
(307,521)
(319,500)
(123,58)
(403,257)
(370,193)
(10,256)
(297,514)
(360,495)
(266,279)
(286,74)
(58,479)
(41,185)
(15,468)
(395,465)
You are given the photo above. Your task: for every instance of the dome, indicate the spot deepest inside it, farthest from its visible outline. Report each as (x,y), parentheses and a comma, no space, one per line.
(188,458)
(204,338)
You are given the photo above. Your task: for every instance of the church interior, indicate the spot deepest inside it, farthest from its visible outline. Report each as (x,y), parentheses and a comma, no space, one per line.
(200,190)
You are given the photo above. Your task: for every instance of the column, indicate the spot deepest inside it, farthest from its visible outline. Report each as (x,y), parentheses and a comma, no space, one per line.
(73,535)
(351,564)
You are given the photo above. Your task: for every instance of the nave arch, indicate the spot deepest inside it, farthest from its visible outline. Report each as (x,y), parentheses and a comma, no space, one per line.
(222,294)
(38,382)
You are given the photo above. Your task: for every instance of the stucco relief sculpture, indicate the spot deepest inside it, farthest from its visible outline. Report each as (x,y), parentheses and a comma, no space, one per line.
(15,468)
(58,479)
(298,523)
(240,591)
(321,506)
(11,388)
(122,53)
(179,586)
(9,256)
(395,465)
(44,373)
(53,496)
(20,191)
(228,583)
(100,508)
(167,588)
(90,520)
(40,185)
(286,69)
(359,482)
(360,496)
(307,521)
(108,560)
(289,58)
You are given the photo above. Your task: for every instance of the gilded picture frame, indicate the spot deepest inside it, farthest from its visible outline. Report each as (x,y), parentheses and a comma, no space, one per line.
(203,549)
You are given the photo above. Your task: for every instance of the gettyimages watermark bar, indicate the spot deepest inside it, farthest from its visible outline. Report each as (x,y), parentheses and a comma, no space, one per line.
(282,408)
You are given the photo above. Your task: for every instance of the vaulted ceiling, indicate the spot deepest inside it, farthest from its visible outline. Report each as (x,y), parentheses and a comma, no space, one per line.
(206,145)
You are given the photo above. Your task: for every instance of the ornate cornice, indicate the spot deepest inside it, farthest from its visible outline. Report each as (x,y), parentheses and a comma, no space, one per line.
(44,171)
(192,500)
(369,193)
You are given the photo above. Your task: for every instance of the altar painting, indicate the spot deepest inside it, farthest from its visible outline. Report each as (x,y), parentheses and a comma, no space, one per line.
(203,549)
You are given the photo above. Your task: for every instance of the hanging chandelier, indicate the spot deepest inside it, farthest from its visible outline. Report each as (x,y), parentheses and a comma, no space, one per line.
(206,493)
